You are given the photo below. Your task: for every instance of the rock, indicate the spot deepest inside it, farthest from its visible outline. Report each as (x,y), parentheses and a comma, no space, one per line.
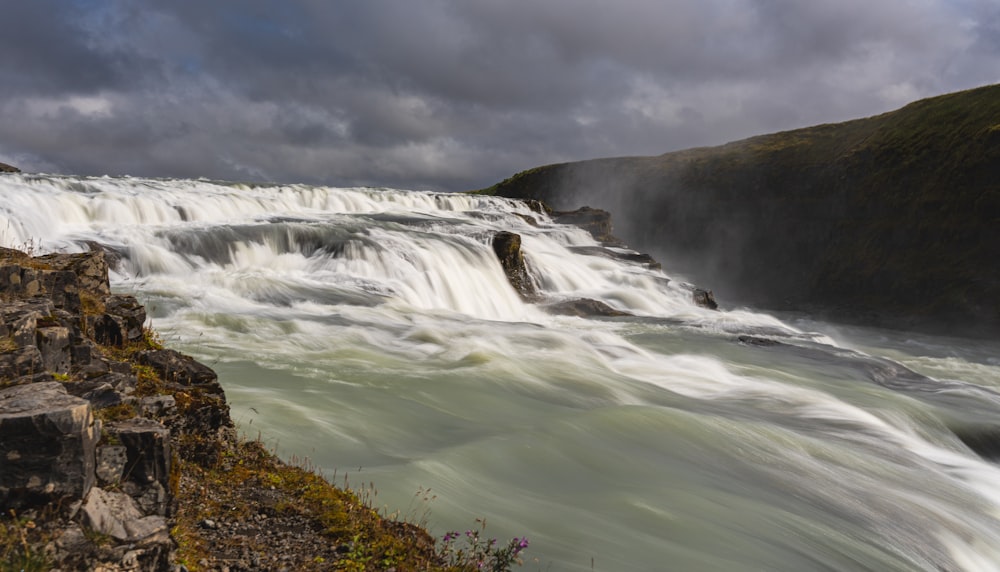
(19,320)
(121,322)
(111,461)
(17,280)
(62,287)
(108,511)
(758,341)
(21,362)
(90,269)
(5,168)
(704,298)
(157,405)
(173,366)
(624,255)
(507,247)
(583,307)
(47,450)
(147,445)
(130,314)
(54,345)
(595,221)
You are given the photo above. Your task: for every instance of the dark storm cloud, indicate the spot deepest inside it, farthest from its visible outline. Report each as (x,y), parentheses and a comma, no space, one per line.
(454,94)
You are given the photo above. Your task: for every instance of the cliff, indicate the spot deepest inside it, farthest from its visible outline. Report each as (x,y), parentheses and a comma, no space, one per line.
(119,454)
(888,220)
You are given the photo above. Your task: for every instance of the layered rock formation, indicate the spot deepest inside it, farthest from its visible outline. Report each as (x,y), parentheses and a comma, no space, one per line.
(888,220)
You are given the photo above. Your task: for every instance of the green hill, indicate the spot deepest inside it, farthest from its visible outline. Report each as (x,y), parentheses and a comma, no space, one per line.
(893,219)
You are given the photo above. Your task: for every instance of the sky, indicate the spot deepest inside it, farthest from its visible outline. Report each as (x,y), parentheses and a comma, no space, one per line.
(453,94)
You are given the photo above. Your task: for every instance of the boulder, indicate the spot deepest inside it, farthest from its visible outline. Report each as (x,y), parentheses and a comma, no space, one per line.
(128,313)
(90,268)
(704,298)
(595,221)
(147,446)
(173,366)
(507,247)
(47,441)
(26,361)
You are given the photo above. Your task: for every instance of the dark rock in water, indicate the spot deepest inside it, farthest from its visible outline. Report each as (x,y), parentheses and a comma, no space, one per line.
(984,440)
(5,168)
(583,307)
(624,255)
(704,298)
(757,341)
(595,221)
(507,247)
(48,445)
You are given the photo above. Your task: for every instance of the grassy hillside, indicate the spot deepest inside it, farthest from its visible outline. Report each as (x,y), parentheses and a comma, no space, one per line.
(892,219)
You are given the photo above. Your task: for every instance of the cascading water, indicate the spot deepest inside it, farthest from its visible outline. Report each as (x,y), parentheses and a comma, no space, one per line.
(375,332)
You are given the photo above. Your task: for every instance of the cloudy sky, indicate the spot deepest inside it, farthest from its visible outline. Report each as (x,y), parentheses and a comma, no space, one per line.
(453,94)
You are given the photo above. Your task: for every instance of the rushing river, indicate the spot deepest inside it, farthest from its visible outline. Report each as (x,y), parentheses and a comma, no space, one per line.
(374,332)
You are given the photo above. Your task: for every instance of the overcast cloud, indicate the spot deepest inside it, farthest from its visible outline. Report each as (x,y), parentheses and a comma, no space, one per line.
(453,94)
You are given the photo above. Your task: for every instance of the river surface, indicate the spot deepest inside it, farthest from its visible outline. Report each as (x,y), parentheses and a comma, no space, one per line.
(373,332)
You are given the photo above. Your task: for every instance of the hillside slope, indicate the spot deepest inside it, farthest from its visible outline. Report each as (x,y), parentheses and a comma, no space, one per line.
(893,219)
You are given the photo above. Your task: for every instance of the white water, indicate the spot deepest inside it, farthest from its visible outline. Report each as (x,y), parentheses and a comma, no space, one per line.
(374,332)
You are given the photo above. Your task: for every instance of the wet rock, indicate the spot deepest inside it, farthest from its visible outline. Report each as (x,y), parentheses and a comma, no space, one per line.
(47,450)
(5,168)
(583,307)
(704,298)
(507,246)
(625,255)
(758,341)
(595,221)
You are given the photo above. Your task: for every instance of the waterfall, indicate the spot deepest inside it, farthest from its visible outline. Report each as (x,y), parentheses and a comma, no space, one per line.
(375,329)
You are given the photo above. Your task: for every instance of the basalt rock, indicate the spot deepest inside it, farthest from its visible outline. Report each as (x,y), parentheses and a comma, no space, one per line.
(507,246)
(47,440)
(595,221)
(704,298)
(90,269)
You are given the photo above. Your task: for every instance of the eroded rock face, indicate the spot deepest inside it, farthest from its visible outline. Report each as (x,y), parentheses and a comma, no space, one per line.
(507,246)
(47,440)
